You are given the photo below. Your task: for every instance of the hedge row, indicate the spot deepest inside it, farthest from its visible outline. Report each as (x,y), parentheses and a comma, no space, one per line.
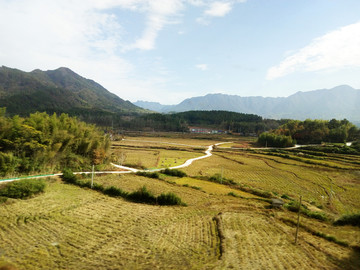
(141,196)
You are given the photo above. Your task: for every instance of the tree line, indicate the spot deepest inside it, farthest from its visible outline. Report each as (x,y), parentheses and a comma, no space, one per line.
(43,142)
(310,132)
(241,123)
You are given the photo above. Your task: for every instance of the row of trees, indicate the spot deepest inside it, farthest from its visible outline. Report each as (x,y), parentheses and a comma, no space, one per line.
(311,132)
(42,142)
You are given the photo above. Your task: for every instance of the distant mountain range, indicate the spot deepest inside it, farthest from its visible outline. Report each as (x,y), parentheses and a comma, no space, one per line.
(60,90)
(340,102)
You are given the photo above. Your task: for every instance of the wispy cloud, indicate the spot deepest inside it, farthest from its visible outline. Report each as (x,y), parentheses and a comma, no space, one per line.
(214,9)
(159,14)
(202,67)
(336,50)
(218,9)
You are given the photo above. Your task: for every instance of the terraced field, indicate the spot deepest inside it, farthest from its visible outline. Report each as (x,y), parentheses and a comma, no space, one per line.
(69,227)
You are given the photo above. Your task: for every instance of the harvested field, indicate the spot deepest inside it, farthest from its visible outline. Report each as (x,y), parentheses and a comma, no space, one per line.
(82,229)
(256,241)
(68,227)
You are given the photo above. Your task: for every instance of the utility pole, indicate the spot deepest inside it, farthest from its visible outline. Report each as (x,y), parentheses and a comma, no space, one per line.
(298,222)
(92,177)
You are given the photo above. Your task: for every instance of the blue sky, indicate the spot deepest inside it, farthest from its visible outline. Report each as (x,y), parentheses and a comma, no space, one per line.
(169,50)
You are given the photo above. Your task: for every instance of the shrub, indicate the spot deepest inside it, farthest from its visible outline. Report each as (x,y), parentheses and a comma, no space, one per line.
(260,193)
(3,199)
(23,189)
(154,175)
(285,196)
(114,192)
(216,178)
(98,187)
(174,172)
(317,215)
(169,199)
(294,207)
(69,177)
(83,184)
(142,195)
(233,194)
(353,219)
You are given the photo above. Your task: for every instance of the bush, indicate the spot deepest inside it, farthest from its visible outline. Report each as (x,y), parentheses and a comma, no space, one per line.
(142,196)
(353,219)
(23,189)
(285,196)
(3,199)
(154,175)
(174,172)
(83,184)
(98,187)
(114,192)
(169,199)
(293,206)
(69,177)
(317,215)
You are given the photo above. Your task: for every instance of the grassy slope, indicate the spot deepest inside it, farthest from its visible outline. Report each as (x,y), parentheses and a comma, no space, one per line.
(72,228)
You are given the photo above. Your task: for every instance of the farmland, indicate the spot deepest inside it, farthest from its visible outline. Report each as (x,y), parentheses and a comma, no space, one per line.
(226,224)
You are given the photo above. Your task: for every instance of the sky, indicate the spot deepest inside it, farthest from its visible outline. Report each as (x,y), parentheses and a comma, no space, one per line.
(169,50)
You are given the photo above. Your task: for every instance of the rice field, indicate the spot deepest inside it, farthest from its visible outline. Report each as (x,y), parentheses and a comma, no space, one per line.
(68,227)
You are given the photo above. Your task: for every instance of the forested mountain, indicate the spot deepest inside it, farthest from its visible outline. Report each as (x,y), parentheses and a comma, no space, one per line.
(60,90)
(339,102)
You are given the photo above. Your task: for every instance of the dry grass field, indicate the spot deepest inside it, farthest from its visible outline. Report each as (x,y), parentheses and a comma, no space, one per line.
(68,227)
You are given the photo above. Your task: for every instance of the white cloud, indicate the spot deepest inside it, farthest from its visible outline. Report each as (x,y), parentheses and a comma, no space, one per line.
(202,67)
(159,14)
(87,37)
(334,51)
(214,9)
(218,9)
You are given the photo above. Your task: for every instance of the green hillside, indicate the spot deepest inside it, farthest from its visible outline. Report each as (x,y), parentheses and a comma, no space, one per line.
(60,90)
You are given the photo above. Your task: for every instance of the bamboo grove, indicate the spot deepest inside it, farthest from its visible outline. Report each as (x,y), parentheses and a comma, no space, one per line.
(48,143)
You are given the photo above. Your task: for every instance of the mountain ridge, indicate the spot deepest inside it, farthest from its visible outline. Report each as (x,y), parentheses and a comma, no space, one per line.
(338,102)
(56,90)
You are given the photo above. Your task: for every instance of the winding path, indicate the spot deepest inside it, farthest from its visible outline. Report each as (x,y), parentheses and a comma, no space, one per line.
(126,169)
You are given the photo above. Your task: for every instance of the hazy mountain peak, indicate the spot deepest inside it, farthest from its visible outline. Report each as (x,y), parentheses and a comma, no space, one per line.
(339,102)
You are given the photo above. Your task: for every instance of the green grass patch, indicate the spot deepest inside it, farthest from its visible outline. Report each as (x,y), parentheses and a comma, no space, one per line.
(23,189)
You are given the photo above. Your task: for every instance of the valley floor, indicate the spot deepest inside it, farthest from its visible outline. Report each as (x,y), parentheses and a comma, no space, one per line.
(222,227)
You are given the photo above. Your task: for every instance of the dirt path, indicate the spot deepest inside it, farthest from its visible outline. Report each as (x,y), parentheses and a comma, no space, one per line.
(124,168)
